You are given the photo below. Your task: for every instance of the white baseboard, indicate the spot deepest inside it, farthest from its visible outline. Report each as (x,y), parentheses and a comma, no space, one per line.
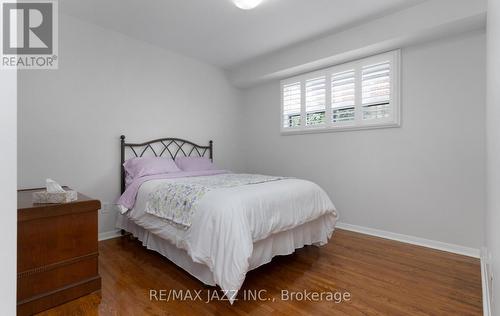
(109,235)
(461,250)
(485,280)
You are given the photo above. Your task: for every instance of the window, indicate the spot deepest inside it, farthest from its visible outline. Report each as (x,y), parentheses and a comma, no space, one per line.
(343,97)
(315,101)
(356,95)
(291,104)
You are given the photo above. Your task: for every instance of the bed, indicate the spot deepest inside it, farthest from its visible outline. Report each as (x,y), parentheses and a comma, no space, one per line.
(237,225)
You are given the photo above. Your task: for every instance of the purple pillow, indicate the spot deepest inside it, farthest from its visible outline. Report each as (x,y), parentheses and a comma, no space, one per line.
(147,166)
(194,163)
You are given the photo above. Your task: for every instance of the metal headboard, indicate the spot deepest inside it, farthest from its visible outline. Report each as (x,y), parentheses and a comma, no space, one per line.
(173,147)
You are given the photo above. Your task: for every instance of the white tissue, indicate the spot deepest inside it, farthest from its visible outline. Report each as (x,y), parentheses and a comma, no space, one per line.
(53,187)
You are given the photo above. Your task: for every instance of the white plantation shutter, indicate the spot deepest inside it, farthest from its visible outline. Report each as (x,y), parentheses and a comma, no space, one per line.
(343,96)
(376,86)
(315,100)
(291,104)
(356,95)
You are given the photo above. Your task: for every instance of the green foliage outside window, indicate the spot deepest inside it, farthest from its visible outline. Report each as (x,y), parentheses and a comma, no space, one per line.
(294,120)
(316,118)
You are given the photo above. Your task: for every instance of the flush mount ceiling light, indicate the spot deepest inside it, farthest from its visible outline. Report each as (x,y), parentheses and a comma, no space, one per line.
(247,4)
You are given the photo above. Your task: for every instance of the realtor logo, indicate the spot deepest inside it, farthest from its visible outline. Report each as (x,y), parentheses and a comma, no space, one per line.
(29,34)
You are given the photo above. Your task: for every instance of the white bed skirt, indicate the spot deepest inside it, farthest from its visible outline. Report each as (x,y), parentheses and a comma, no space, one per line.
(316,233)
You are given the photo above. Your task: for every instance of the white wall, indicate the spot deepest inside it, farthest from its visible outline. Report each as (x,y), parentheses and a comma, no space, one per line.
(108,84)
(8,195)
(493,148)
(425,179)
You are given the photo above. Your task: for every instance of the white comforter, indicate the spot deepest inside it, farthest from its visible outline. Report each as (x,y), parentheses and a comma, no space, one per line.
(228,221)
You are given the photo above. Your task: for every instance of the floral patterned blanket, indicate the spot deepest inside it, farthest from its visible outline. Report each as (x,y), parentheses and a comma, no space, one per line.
(176,201)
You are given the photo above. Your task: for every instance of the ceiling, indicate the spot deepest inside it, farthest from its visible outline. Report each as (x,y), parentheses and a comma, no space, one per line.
(217,32)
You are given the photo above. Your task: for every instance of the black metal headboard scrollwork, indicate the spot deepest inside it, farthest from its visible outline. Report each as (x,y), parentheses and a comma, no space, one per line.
(169,147)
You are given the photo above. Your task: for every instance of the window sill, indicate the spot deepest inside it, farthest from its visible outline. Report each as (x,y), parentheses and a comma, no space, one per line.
(332,129)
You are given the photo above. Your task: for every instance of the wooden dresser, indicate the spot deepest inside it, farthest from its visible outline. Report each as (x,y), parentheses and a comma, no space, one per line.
(57,254)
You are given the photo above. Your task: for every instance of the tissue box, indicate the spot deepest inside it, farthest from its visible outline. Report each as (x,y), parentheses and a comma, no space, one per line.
(58,197)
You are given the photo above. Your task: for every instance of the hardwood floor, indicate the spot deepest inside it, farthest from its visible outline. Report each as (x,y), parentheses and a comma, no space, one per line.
(383,277)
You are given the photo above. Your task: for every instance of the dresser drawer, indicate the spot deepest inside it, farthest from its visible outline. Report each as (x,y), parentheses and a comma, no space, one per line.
(45,241)
(55,276)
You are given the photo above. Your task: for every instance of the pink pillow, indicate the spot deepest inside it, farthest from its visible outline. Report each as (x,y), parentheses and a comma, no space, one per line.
(147,166)
(194,163)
